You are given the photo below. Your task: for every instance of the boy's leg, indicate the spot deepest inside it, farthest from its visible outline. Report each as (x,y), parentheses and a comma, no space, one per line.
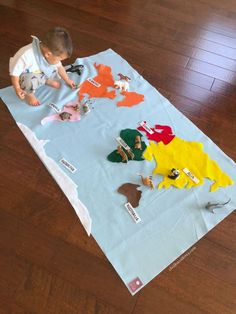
(53,80)
(54,84)
(29,82)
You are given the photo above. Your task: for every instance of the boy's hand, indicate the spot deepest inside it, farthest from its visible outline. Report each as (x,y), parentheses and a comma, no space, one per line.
(71,84)
(20,93)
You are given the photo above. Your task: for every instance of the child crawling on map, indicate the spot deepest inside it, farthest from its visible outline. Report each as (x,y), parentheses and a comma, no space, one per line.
(39,63)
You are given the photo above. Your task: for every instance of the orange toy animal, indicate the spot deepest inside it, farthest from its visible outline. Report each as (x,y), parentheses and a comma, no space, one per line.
(147,181)
(138,144)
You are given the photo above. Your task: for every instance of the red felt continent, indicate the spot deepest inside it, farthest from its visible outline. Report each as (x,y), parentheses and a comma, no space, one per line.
(161,133)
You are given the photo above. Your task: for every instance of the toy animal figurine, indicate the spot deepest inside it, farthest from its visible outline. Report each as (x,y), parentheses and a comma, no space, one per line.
(174,174)
(76,69)
(86,108)
(130,153)
(147,181)
(65,115)
(122,154)
(77,107)
(124,77)
(122,83)
(210,206)
(138,144)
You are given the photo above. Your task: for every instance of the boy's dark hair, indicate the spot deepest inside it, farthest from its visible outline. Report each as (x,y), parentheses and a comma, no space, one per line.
(58,41)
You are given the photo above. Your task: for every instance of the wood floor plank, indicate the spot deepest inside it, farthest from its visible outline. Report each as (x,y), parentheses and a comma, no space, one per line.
(213,70)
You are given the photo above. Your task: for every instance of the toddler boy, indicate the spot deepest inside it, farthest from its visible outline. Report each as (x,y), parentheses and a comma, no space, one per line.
(39,63)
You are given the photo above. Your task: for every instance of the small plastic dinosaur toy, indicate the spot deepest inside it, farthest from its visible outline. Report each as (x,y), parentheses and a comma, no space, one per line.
(76,69)
(147,181)
(211,206)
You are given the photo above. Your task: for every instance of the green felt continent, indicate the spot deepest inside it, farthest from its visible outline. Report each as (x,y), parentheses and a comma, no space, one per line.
(128,135)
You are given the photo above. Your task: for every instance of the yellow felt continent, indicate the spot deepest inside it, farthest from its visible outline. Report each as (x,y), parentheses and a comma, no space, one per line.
(180,154)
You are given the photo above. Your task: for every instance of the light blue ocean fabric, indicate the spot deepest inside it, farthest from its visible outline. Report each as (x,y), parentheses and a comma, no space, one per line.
(172,220)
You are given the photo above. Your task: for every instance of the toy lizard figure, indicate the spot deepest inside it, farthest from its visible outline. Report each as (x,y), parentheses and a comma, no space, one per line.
(211,206)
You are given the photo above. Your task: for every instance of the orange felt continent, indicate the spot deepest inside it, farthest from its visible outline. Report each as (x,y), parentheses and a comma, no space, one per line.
(130,99)
(104,78)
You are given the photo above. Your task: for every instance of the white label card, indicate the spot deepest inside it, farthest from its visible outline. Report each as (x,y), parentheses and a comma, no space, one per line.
(122,143)
(191,176)
(93,82)
(132,212)
(53,106)
(146,127)
(68,165)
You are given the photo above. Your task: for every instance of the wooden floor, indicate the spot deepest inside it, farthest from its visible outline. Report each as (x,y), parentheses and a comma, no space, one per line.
(187,50)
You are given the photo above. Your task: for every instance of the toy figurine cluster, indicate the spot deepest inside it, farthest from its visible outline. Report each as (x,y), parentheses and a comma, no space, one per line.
(65,116)
(163,145)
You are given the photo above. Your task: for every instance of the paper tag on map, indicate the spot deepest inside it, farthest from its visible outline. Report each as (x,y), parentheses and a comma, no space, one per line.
(68,165)
(122,143)
(191,176)
(135,284)
(53,106)
(93,82)
(132,212)
(146,127)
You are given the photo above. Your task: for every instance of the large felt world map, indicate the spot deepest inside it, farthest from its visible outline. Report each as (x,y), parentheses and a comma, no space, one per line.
(111,150)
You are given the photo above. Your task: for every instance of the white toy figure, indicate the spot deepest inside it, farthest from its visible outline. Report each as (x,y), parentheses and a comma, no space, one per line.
(123,83)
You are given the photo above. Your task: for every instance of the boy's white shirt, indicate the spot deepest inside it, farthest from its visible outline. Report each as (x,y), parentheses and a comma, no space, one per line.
(24,61)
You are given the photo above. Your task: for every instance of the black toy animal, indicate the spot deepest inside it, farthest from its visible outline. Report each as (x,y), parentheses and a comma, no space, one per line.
(76,69)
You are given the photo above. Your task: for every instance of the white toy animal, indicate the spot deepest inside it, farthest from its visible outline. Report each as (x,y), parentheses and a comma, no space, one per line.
(122,83)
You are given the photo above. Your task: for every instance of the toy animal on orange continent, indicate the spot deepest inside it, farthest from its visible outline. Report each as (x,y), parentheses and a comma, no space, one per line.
(122,83)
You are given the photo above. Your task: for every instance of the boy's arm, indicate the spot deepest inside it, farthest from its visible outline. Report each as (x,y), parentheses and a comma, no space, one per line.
(15,82)
(64,76)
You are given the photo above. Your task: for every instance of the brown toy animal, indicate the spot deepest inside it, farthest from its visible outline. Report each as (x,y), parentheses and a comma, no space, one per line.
(138,144)
(124,77)
(77,107)
(130,153)
(65,115)
(122,154)
(147,181)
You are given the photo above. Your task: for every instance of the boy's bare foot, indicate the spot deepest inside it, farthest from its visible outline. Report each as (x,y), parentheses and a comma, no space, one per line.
(32,100)
(54,84)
